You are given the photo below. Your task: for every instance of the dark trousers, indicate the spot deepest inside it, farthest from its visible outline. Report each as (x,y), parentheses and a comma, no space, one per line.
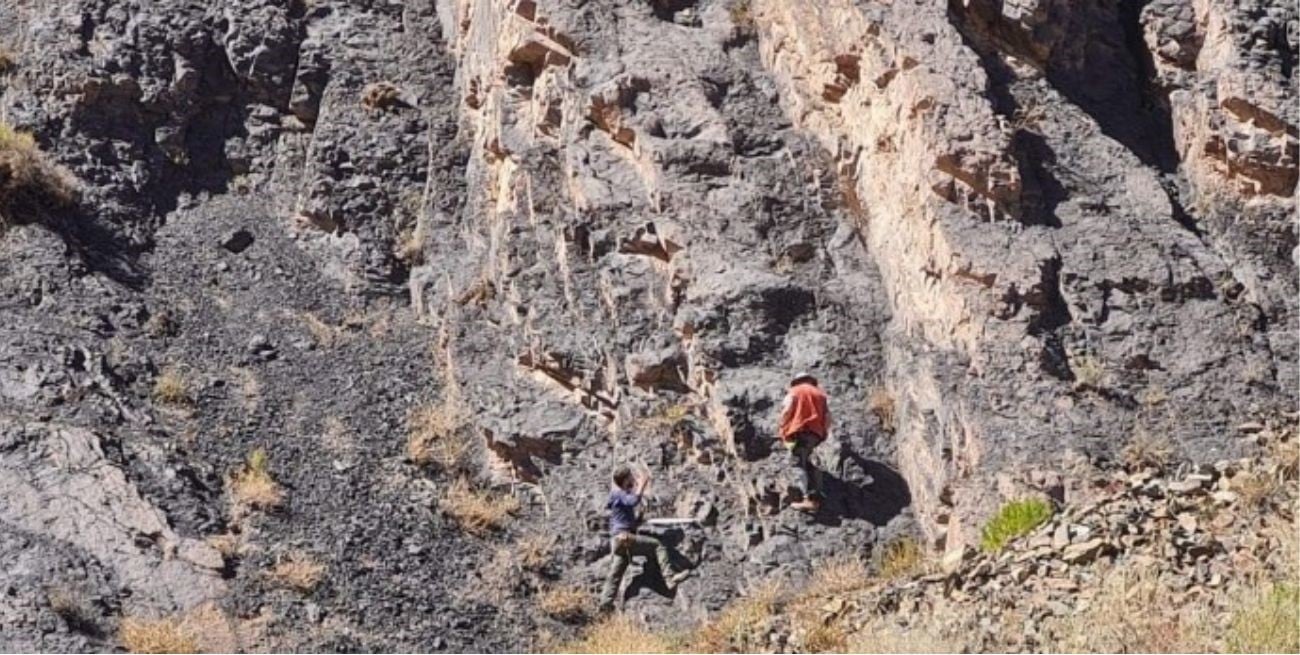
(622,549)
(808,479)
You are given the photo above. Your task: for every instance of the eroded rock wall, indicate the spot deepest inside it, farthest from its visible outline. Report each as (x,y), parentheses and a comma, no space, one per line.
(1049,290)
(1007,236)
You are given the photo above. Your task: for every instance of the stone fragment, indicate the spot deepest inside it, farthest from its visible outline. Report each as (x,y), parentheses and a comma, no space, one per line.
(953,559)
(238,241)
(1087,551)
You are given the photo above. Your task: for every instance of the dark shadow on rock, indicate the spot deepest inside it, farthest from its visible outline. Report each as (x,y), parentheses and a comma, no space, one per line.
(1042,191)
(101,248)
(651,577)
(862,489)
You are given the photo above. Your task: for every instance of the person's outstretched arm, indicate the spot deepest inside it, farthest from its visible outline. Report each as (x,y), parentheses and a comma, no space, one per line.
(642,483)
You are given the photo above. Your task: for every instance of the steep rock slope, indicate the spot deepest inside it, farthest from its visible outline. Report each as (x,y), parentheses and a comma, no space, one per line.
(577,234)
(1050,288)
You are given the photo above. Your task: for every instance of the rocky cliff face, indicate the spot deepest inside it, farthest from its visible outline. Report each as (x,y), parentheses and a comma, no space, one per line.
(570,234)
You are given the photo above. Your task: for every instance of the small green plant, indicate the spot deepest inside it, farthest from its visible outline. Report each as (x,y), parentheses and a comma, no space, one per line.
(1015,519)
(1270,625)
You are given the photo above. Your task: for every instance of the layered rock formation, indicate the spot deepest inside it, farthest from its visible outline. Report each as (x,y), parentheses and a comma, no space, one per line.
(1004,235)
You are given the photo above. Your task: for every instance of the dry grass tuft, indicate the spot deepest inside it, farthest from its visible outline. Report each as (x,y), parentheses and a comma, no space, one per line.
(742,15)
(409,248)
(884,638)
(478,512)
(835,577)
(378,96)
(171,387)
(1089,371)
(1284,451)
(324,334)
(1145,448)
(1256,489)
(534,551)
(565,603)
(298,571)
(829,636)
(161,324)
(1131,614)
(902,558)
(252,486)
(435,434)
(618,634)
(164,635)
(832,579)
(740,626)
(881,403)
(29,181)
(665,416)
(228,544)
(73,608)
(1268,623)
(203,629)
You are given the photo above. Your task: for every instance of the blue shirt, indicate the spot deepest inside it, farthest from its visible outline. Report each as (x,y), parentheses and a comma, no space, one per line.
(622,511)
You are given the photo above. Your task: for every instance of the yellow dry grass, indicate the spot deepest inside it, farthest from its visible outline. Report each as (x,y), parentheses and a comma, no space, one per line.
(618,634)
(834,577)
(324,334)
(162,635)
(534,551)
(298,571)
(881,403)
(409,247)
(435,434)
(739,627)
(202,629)
(902,558)
(477,512)
(26,176)
(880,637)
(171,387)
(1089,371)
(1146,448)
(1268,621)
(565,603)
(1131,613)
(252,485)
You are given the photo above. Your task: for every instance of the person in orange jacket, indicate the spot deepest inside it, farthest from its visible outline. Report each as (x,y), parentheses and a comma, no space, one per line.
(805,423)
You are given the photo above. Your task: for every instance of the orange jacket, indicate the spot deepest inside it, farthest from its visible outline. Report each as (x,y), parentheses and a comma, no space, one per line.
(805,411)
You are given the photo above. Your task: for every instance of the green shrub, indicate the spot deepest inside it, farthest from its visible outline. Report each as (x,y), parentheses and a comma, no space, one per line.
(1015,519)
(1270,625)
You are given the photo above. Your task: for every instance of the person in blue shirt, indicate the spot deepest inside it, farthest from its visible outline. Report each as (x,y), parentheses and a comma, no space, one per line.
(625,543)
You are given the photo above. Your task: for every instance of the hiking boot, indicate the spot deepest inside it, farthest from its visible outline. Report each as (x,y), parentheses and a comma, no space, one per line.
(809,505)
(677,578)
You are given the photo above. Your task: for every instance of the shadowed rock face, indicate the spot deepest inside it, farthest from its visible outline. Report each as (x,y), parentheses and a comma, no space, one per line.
(608,233)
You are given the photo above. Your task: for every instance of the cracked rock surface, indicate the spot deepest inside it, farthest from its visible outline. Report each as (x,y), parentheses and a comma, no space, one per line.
(582,233)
